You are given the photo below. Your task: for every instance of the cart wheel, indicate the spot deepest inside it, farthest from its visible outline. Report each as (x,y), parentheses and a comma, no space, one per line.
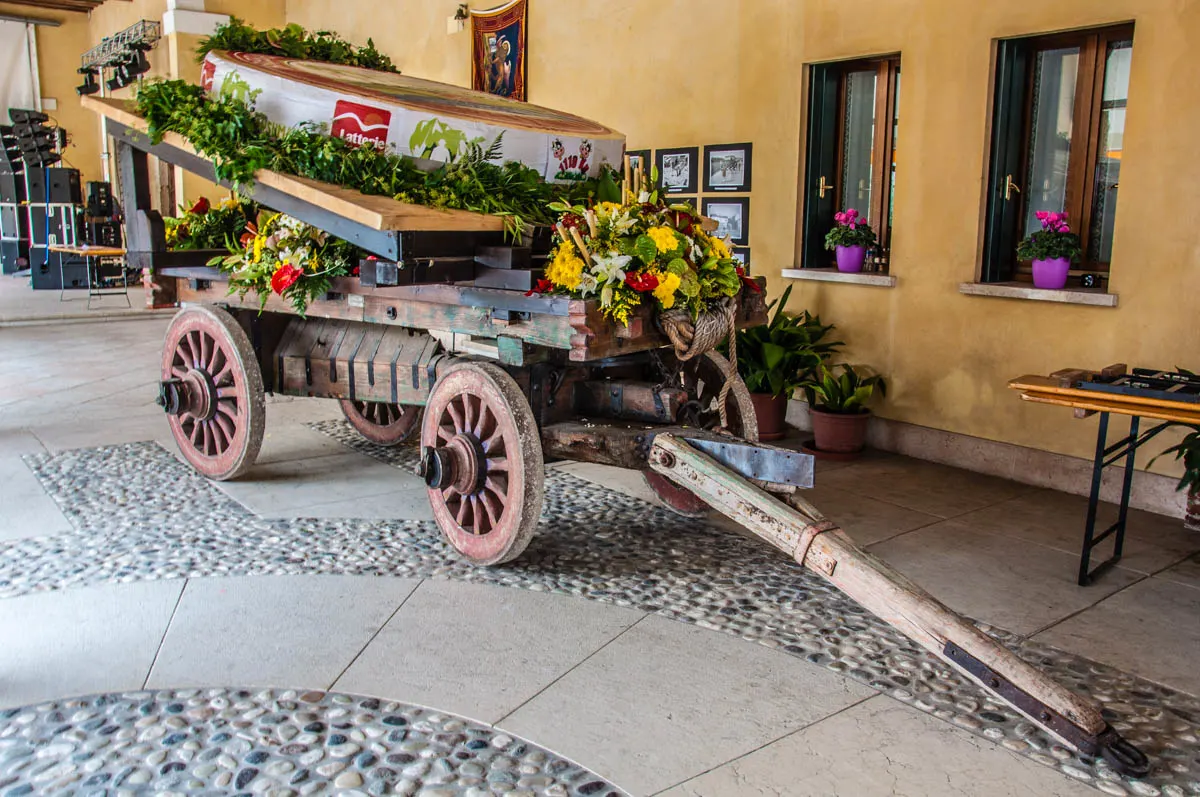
(212,391)
(481,458)
(382,424)
(703,376)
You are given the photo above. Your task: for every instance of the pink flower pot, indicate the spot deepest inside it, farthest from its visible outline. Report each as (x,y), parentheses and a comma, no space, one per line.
(1051,274)
(850,258)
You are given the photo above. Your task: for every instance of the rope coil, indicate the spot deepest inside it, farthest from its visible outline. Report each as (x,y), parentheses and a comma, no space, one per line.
(692,339)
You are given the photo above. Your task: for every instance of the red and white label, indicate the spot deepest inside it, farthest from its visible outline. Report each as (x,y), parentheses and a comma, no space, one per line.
(360,124)
(207,70)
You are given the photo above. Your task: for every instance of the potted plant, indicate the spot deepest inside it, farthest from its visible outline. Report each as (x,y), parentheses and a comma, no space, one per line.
(777,357)
(837,400)
(1052,250)
(1188,450)
(849,239)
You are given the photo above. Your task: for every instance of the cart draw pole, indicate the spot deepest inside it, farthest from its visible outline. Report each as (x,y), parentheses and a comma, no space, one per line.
(800,531)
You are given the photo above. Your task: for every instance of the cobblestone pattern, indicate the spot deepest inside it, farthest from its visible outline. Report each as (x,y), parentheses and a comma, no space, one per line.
(285,743)
(141,514)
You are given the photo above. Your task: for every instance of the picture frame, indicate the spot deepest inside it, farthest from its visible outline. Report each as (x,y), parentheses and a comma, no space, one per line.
(498,50)
(728,168)
(742,255)
(678,169)
(732,215)
(639,156)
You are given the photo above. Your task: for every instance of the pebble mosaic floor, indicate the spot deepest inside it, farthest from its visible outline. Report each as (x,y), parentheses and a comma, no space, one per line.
(141,514)
(223,741)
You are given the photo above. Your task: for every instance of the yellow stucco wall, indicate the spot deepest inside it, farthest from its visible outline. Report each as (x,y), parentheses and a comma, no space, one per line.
(694,72)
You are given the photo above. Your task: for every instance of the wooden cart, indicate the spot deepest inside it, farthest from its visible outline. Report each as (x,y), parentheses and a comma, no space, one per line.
(494,382)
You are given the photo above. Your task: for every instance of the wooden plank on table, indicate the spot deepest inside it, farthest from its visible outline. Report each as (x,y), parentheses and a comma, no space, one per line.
(376,212)
(1050,386)
(1093,405)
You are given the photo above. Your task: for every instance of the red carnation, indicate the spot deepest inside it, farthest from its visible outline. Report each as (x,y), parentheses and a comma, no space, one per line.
(641,283)
(542,286)
(201,207)
(285,277)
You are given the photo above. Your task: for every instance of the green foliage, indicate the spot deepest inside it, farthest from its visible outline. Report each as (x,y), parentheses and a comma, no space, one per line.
(780,356)
(846,392)
(1187,450)
(1050,245)
(240,141)
(217,227)
(295,42)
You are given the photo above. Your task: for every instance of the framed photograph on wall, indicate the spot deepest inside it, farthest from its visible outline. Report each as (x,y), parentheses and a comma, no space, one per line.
(677,169)
(727,168)
(639,156)
(742,255)
(732,215)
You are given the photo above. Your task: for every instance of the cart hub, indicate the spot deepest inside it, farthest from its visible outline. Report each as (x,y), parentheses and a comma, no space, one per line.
(194,394)
(460,464)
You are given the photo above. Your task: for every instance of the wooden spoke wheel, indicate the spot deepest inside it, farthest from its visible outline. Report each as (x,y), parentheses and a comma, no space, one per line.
(481,458)
(703,377)
(212,391)
(383,424)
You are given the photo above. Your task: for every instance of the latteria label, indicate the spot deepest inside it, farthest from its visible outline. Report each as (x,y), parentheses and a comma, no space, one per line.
(359,124)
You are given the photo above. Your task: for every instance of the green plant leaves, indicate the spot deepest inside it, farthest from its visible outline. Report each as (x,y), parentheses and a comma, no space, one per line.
(645,249)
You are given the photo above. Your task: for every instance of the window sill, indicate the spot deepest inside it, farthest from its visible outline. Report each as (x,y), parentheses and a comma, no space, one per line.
(833,275)
(1022,290)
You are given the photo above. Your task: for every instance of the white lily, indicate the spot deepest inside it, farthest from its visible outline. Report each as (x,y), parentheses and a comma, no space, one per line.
(587,285)
(610,268)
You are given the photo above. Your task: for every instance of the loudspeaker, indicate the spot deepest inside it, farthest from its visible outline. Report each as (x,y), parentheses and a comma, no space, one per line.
(12,185)
(10,225)
(99,199)
(44,270)
(64,186)
(14,256)
(104,233)
(54,224)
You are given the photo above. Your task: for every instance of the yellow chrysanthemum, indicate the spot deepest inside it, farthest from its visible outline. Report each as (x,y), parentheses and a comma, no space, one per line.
(566,268)
(227,203)
(665,292)
(720,249)
(664,238)
(259,241)
(608,208)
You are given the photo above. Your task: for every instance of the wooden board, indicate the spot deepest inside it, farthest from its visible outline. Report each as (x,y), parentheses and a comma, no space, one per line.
(89,251)
(376,212)
(1124,404)
(1094,405)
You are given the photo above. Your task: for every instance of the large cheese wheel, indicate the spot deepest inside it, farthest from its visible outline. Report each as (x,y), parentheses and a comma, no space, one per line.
(415,117)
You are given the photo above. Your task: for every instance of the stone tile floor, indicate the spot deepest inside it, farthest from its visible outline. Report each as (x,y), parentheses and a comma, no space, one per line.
(664,656)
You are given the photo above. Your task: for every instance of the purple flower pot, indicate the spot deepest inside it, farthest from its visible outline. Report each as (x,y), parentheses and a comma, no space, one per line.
(1051,274)
(850,258)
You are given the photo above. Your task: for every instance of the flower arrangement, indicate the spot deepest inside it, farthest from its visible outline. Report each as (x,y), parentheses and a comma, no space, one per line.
(287,257)
(851,229)
(204,226)
(637,251)
(1054,241)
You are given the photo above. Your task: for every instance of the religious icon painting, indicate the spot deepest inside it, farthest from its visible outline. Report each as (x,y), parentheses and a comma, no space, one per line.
(498,50)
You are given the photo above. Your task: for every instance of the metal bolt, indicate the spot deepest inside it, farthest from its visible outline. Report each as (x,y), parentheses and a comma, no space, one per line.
(994,683)
(391,313)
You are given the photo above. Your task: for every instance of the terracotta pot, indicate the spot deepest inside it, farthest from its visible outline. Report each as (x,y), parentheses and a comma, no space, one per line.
(838,432)
(1192,520)
(771,411)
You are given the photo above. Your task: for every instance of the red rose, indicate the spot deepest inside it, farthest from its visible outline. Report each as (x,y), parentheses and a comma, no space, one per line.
(285,277)
(641,283)
(201,207)
(542,286)
(356,271)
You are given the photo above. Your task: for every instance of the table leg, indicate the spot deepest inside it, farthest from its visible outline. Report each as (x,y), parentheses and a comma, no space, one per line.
(1089,528)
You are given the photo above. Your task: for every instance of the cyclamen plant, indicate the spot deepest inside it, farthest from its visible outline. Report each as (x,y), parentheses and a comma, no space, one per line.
(851,230)
(1055,240)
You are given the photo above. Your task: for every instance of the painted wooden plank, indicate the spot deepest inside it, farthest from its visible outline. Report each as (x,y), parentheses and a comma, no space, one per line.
(1050,386)
(376,212)
(873,584)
